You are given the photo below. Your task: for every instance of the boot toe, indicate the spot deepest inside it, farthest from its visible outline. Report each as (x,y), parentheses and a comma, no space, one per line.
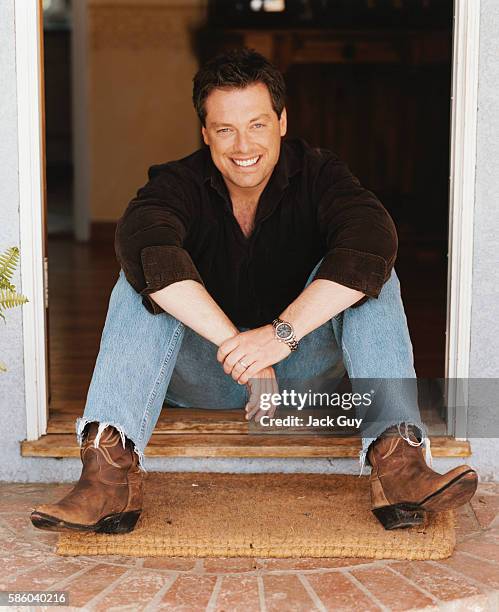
(45,509)
(53,517)
(460,486)
(44,518)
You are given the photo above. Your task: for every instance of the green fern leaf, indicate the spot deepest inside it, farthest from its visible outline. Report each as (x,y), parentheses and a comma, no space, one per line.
(8,262)
(11,299)
(4,284)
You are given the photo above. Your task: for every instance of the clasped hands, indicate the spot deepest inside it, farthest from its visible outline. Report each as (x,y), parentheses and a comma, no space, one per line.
(248,357)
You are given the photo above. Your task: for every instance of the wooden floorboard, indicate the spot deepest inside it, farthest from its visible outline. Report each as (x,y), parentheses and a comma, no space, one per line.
(171,421)
(238,445)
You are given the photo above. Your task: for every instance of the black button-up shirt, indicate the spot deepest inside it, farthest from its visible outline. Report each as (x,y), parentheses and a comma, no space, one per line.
(181,226)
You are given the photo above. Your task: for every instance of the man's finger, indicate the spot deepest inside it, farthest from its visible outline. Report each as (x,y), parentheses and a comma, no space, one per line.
(237,370)
(227,347)
(253,405)
(267,388)
(272,387)
(251,410)
(250,372)
(253,396)
(232,360)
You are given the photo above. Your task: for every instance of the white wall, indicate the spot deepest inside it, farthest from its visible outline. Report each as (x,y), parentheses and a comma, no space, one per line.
(484,357)
(484,344)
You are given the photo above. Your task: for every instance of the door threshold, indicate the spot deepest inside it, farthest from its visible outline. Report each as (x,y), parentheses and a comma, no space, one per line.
(198,432)
(238,445)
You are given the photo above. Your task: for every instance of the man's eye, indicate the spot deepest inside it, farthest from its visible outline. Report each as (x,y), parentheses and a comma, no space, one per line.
(258,125)
(223,130)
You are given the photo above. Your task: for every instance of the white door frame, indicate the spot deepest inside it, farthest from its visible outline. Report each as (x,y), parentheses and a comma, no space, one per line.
(462,196)
(464,107)
(31,211)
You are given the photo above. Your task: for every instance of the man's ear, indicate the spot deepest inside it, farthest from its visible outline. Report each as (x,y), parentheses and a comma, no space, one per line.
(204,132)
(283,122)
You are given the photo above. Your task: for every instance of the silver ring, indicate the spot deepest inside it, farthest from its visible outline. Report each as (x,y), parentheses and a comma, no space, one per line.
(243,364)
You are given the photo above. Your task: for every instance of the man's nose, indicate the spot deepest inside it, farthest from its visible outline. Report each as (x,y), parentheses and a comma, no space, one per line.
(243,143)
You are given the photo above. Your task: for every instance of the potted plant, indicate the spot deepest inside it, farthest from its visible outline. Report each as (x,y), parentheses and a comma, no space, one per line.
(9,298)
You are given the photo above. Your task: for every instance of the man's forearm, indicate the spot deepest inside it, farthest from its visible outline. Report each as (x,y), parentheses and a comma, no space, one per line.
(189,302)
(319,302)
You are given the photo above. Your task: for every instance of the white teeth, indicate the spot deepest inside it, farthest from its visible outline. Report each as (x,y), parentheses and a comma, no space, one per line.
(246,162)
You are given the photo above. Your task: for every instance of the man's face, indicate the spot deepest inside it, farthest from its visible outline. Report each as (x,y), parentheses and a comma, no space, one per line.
(244,135)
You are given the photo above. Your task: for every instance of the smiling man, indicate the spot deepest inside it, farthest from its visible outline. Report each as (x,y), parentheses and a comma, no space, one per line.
(245,151)
(252,261)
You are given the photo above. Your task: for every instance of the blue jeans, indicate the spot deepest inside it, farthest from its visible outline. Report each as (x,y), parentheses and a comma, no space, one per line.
(145,360)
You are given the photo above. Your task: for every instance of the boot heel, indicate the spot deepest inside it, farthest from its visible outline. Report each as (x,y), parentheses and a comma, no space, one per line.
(124,522)
(398,516)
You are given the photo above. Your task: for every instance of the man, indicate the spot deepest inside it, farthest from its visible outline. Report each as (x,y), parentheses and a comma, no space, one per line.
(251,261)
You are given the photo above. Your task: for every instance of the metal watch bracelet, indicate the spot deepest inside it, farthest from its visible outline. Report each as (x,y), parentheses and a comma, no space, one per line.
(284,332)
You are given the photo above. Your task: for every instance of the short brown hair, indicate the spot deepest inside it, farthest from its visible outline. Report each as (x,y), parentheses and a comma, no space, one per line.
(237,69)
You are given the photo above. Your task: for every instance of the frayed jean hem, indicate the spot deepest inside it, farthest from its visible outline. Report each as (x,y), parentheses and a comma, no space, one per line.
(82,422)
(425,440)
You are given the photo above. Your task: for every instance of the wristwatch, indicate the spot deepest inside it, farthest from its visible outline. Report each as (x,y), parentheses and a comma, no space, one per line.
(284,332)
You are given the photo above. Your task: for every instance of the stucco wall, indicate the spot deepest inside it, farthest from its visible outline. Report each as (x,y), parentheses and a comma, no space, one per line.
(484,357)
(484,345)
(11,349)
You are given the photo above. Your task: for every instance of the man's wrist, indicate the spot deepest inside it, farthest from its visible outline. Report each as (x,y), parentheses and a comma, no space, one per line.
(227,336)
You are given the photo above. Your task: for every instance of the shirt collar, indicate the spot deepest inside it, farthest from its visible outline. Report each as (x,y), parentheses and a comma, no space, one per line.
(288,164)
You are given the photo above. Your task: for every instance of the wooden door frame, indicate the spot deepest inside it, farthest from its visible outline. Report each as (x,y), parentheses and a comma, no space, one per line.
(28,32)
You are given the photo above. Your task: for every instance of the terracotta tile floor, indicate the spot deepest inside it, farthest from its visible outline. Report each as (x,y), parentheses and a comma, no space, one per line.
(469,580)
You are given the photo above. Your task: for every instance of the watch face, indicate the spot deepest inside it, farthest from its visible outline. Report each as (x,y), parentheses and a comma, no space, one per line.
(284,331)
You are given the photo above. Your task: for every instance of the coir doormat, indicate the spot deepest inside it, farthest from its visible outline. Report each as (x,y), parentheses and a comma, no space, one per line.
(264,515)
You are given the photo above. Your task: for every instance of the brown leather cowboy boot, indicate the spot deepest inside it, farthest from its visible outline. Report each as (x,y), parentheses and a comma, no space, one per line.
(108,496)
(403,487)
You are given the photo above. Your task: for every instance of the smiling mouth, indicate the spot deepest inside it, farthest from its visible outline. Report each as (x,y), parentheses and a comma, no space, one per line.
(246,163)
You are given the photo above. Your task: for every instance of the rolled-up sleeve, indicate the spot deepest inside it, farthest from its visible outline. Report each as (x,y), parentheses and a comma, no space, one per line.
(360,234)
(150,237)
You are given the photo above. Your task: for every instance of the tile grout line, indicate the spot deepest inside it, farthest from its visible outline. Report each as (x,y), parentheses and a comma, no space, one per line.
(470,579)
(421,589)
(97,561)
(58,586)
(493,538)
(473,602)
(210,607)
(261,593)
(365,590)
(474,516)
(312,594)
(25,570)
(376,563)
(110,587)
(6,525)
(470,536)
(473,556)
(153,604)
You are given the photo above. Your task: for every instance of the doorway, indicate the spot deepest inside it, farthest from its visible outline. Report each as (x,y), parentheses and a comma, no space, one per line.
(78,305)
